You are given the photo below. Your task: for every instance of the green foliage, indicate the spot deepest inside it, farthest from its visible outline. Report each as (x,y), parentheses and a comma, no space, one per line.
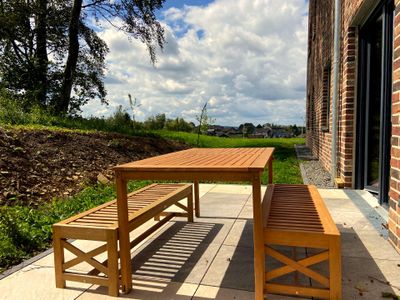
(24,231)
(247,128)
(156,122)
(178,124)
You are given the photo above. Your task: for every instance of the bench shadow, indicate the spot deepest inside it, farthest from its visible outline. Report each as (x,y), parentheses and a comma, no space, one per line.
(162,267)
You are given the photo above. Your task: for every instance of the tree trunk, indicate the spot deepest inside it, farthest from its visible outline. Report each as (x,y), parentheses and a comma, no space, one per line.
(73,51)
(41,52)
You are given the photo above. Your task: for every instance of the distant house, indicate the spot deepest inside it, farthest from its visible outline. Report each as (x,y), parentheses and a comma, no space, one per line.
(281,134)
(262,133)
(353,102)
(223,131)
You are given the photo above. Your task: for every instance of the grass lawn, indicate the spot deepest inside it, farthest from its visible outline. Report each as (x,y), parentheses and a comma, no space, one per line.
(286,167)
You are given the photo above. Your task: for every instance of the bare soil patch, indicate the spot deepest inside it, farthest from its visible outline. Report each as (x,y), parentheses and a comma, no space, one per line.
(38,165)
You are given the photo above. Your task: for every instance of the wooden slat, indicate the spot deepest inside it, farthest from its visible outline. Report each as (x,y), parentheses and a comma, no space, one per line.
(215,159)
(284,289)
(309,261)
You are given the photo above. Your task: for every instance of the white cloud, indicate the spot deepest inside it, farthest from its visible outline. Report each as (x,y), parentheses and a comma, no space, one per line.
(247,58)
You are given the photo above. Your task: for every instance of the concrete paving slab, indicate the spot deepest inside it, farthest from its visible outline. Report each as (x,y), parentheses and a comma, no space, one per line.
(246,212)
(37,282)
(222,205)
(241,234)
(146,289)
(232,268)
(366,278)
(211,292)
(232,189)
(367,244)
(204,188)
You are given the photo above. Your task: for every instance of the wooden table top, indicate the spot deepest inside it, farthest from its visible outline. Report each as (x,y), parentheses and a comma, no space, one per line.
(204,159)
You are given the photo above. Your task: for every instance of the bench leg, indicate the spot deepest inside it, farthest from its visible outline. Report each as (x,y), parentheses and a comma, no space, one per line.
(197,198)
(113,271)
(58,259)
(190,207)
(335,269)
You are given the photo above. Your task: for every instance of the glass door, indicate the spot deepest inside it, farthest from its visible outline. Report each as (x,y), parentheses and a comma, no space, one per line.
(374,102)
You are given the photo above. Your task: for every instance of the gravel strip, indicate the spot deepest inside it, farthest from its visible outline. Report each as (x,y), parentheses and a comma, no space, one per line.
(312,170)
(314,173)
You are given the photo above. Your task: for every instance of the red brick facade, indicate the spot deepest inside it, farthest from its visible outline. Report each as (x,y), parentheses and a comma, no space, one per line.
(394,201)
(319,123)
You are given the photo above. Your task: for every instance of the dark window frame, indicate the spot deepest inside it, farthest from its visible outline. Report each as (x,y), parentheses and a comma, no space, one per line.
(326,97)
(385,8)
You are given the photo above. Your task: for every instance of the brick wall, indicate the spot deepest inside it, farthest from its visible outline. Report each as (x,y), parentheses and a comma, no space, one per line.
(321,20)
(394,201)
(320,56)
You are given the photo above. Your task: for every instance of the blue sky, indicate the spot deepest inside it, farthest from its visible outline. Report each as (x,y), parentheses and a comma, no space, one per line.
(180,3)
(247,59)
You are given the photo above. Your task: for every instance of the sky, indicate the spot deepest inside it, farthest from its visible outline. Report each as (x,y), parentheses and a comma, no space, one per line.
(246,59)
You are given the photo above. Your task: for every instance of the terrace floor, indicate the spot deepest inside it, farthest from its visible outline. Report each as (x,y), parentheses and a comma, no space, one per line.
(212,258)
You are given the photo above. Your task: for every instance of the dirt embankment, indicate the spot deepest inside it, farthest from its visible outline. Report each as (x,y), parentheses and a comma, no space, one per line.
(38,165)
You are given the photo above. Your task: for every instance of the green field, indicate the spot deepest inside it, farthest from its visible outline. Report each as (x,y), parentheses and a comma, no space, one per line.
(286,167)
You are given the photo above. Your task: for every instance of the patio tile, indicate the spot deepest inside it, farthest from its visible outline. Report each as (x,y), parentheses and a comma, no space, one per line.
(204,188)
(246,212)
(333,193)
(222,205)
(211,292)
(231,268)
(36,282)
(241,234)
(232,189)
(146,289)
(368,277)
(351,220)
(364,244)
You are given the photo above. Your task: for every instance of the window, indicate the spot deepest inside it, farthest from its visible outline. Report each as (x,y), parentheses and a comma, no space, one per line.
(326,98)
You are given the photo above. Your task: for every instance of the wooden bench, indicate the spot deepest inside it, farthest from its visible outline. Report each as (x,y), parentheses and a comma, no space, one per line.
(296,216)
(101,224)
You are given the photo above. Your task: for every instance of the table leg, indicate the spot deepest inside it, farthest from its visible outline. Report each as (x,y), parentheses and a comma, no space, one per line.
(197,198)
(124,244)
(259,257)
(270,170)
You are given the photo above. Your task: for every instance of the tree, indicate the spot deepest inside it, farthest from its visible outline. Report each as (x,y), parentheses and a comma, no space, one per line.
(32,31)
(138,21)
(247,128)
(156,122)
(204,122)
(29,32)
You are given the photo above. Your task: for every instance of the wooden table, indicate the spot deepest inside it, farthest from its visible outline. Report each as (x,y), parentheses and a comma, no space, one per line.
(198,164)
